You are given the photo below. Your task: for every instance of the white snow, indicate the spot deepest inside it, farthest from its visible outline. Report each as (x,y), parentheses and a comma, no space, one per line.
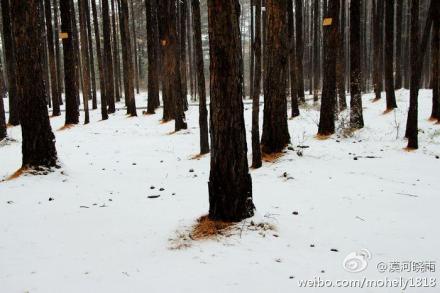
(101,232)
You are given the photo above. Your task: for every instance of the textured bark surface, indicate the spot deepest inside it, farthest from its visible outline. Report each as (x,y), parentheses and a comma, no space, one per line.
(203,111)
(70,77)
(292,60)
(134,49)
(85,63)
(38,145)
(3,132)
(399,28)
(91,55)
(183,11)
(60,76)
(341,65)
(104,113)
(256,147)
(389,55)
(378,48)
(127,59)
(153,56)
(356,116)
(56,96)
(299,49)
(275,134)
(108,58)
(412,123)
(10,66)
(331,43)
(230,184)
(116,63)
(436,67)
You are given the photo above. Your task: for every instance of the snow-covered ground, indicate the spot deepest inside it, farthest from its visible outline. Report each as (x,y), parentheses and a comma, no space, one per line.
(91,226)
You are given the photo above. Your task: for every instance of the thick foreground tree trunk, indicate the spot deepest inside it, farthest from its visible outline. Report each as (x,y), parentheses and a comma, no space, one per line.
(38,144)
(230,184)
(275,135)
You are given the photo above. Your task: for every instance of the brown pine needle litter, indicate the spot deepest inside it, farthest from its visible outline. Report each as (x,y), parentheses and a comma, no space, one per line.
(66,127)
(270,158)
(205,228)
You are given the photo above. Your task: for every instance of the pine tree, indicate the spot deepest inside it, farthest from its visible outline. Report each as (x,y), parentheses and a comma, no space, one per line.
(275,136)
(38,145)
(299,49)
(153,56)
(389,55)
(230,184)
(108,58)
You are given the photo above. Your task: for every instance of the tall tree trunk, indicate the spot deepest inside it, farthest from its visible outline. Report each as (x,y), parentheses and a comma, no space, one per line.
(316,48)
(153,56)
(70,77)
(340,65)
(399,28)
(256,148)
(108,58)
(85,59)
(38,145)
(331,43)
(135,50)
(116,64)
(127,59)
(275,130)
(356,116)
(183,8)
(230,184)
(91,55)
(292,60)
(389,55)
(99,56)
(10,66)
(60,77)
(412,123)
(299,49)
(3,132)
(52,61)
(435,114)
(203,112)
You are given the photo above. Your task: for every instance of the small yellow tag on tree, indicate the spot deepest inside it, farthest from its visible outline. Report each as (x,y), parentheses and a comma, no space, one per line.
(328,21)
(64,35)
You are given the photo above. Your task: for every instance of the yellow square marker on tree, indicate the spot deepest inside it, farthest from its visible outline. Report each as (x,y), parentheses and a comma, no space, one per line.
(327,21)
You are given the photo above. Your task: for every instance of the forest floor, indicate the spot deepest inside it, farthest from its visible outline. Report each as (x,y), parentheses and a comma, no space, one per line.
(118,215)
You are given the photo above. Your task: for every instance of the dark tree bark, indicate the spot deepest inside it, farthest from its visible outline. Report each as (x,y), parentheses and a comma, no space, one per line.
(356,116)
(38,146)
(299,49)
(435,114)
(91,55)
(389,55)
(10,66)
(341,63)
(275,135)
(135,50)
(99,56)
(60,77)
(230,184)
(203,111)
(3,132)
(378,50)
(412,123)
(70,77)
(256,148)
(171,63)
(252,50)
(153,56)
(85,59)
(127,59)
(183,8)
(43,43)
(52,61)
(399,28)
(292,60)
(108,58)
(316,49)
(116,64)
(331,43)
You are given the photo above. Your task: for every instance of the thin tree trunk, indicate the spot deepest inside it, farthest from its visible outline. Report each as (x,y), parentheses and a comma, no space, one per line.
(91,56)
(108,58)
(153,56)
(183,8)
(435,114)
(58,52)
(399,28)
(116,64)
(292,60)
(3,132)
(356,116)
(299,49)
(135,51)
(389,55)
(340,65)
(85,59)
